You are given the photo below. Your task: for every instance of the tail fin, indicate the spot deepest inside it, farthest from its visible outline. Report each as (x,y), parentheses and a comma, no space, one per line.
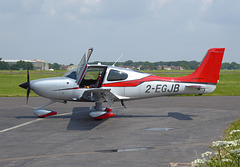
(208,71)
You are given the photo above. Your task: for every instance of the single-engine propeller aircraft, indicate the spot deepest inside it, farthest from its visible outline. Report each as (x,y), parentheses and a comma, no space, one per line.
(101,83)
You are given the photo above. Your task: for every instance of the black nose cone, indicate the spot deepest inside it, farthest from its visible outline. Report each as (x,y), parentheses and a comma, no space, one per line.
(25,85)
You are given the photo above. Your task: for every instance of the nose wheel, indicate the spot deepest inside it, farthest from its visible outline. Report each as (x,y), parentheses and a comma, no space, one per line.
(42,113)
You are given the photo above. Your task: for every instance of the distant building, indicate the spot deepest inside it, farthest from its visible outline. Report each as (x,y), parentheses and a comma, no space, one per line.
(128,67)
(37,64)
(177,68)
(72,67)
(164,67)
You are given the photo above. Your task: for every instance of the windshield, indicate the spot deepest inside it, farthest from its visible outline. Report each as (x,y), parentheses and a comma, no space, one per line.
(71,74)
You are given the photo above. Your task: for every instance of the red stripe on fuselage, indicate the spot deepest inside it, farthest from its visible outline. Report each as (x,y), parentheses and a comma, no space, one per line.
(134,83)
(76,88)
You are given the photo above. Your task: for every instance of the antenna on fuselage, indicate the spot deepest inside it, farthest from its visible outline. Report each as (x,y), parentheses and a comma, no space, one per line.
(117,60)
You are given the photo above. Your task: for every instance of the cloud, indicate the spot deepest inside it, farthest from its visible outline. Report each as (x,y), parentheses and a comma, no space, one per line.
(115,26)
(158,3)
(75,11)
(156,6)
(222,12)
(61,7)
(206,4)
(92,2)
(191,26)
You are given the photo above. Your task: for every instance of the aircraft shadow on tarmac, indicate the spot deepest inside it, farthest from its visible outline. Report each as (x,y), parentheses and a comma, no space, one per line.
(175,115)
(80,119)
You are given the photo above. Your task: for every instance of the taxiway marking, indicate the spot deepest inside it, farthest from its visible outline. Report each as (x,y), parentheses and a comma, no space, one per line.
(30,122)
(21,125)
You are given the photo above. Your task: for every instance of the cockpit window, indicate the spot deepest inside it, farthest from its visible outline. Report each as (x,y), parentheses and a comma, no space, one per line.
(115,75)
(93,77)
(93,73)
(71,74)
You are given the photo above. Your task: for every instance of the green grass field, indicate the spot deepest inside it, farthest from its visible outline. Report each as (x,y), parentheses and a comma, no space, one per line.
(229,84)
(9,81)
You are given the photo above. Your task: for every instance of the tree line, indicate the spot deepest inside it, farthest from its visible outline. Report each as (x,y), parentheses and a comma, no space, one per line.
(146,65)
(20,65)
(187,65)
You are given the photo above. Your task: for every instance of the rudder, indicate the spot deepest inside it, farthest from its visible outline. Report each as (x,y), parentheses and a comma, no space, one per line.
(208,70)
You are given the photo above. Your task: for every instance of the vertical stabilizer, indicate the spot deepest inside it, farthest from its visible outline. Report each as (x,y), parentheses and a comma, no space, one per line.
(208,70)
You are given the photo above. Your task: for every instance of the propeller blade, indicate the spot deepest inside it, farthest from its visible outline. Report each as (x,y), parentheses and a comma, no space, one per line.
(28,75)
(28,92)
(26,85)
(28,81)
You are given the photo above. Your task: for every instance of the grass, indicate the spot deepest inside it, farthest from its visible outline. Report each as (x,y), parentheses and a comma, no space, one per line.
(229,84)
(226,152)
(9,81)
(234,126)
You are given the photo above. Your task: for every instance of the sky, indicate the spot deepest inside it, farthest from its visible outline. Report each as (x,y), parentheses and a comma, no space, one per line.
(140,30)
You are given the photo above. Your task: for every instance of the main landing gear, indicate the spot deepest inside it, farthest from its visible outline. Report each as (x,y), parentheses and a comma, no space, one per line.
(99,112)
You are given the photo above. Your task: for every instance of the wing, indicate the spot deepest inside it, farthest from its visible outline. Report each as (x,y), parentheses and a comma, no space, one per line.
(99,94)
(82,66)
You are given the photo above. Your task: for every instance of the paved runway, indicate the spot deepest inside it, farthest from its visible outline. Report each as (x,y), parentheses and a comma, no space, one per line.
(152,132)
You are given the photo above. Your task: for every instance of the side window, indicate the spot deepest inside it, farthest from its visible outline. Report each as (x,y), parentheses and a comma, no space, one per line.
(115,75)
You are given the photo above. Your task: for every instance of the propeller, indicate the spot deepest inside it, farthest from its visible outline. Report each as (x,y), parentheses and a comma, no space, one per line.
(26,85)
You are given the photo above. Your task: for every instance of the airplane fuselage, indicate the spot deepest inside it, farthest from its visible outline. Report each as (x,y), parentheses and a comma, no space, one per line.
(135,85)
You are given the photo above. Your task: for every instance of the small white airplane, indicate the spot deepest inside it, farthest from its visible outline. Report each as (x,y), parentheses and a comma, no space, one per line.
(101,83)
